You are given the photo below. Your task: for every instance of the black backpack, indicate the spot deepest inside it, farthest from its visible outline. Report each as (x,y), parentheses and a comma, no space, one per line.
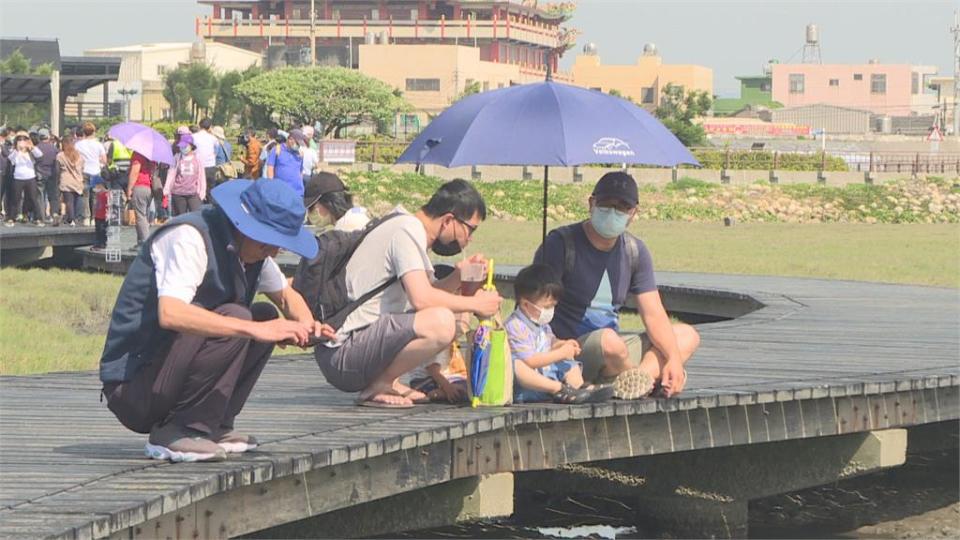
(322,281)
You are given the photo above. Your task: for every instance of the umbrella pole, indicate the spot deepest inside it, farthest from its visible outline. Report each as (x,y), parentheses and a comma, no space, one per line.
(546,179)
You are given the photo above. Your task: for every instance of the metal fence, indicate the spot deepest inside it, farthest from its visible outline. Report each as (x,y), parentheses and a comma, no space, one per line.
(733,159)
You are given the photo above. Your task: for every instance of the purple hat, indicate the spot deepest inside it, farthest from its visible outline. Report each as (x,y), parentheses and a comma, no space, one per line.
(185,140)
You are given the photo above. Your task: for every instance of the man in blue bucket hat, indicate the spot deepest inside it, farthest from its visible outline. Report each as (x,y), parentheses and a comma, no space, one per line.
(186,343)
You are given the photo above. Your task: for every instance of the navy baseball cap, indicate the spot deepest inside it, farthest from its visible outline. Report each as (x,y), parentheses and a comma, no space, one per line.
(618,185)
(268,211)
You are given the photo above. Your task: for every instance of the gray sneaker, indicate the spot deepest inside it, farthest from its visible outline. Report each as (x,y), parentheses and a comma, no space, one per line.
(173,443)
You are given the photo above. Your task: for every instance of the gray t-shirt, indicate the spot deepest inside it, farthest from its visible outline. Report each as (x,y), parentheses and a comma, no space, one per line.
(396,247)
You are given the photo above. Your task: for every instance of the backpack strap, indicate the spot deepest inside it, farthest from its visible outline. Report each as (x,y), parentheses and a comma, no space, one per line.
(569,249)
(633,253)
(352,306)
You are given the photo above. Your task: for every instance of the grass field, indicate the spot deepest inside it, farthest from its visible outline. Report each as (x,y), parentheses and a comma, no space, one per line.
(55,320)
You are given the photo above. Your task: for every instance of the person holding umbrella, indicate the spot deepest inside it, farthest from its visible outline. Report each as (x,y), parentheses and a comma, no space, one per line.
(601,265)
(140,192)
(148,148)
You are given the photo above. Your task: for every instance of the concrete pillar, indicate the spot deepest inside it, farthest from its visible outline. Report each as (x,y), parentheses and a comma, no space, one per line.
(106,97)
(466,499)
(55,107)
(705,493)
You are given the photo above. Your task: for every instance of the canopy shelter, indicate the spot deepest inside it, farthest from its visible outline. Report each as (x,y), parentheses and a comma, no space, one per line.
(72,75)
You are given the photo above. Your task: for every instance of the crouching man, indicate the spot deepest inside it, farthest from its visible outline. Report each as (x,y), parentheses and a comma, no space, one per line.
(186,343)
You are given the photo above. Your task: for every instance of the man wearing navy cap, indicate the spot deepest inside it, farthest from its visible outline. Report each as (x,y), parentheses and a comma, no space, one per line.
(602,264)
(186,342)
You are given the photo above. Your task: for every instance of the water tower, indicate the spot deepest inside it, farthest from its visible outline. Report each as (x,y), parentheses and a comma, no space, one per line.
(811,47)
(590,49)
(650,49)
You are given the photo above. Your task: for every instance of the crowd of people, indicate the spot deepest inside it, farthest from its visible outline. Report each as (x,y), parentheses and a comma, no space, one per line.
(51,180)
(187,342)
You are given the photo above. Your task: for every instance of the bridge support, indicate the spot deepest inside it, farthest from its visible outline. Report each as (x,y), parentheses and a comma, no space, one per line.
(466,499)
(705,493)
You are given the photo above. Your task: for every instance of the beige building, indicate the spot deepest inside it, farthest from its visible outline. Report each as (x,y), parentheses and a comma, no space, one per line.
(143,66)
(642,82)
(432,77)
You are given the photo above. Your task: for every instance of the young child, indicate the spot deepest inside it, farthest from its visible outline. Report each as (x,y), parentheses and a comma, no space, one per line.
(100,210)
(543,365)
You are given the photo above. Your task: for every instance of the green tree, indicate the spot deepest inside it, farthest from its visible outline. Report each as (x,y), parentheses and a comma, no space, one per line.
(336,97)
(190,90)
(677,110)
(473,87)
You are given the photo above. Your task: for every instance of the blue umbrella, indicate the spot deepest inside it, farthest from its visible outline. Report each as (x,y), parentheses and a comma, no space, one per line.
(545,123)
(143,140)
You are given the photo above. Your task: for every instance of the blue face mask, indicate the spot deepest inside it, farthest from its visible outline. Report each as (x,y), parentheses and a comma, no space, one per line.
(609,222)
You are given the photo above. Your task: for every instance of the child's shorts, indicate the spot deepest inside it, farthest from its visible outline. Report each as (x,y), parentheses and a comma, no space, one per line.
(556,371)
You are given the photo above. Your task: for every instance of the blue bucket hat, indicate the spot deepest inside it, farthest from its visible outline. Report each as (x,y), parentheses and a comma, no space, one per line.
(267,211)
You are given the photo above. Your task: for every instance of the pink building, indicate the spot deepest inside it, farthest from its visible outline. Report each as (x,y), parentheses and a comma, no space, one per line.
(886,89)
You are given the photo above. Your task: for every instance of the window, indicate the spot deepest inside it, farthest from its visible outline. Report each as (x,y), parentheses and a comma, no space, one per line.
(765,87)
(161,70)
(423,85)
(858,76)
(796,83)
(647,94)
(915,83)
(878,83)
(834,82)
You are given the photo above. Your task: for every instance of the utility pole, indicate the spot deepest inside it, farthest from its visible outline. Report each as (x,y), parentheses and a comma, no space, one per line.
(313,33)
(956,72)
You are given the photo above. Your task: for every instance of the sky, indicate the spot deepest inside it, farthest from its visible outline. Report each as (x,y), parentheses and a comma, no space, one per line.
(731,37)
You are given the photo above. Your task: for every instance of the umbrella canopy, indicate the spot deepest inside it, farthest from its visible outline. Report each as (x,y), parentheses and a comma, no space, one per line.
(143,140)
(545,123)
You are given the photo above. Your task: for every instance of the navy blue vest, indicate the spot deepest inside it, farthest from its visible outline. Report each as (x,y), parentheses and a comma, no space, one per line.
(135,336)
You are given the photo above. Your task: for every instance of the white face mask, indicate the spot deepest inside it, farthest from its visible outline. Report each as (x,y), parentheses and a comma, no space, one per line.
(546,314)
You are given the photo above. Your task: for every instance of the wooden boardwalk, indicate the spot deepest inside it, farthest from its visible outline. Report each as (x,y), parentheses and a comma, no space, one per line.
(820,358)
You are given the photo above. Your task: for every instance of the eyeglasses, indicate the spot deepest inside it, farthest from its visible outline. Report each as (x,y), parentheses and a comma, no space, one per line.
(471,228)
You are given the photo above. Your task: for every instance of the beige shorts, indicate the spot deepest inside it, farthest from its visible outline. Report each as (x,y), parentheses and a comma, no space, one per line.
(591,352)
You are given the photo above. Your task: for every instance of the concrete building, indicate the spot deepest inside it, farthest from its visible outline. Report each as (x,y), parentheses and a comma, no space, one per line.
(431,77)
(756,91)
(943,86)
(829,118)
(143,66)
(883,89)
(430,50)
(642,82)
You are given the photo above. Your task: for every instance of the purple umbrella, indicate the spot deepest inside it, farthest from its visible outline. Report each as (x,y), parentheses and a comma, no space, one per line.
(143,140)
(545,123)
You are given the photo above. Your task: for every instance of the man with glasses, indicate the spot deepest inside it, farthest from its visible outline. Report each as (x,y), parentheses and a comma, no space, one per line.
(601,265)
(412,319)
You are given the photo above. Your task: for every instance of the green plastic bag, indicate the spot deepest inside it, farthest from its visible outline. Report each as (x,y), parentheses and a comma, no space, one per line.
(498,390)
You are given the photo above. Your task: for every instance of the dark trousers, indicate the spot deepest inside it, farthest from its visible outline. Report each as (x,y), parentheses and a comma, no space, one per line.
(199,383)
(73,203)
(51,186)
(213,179)
(30,188)
(182,204)
(101,232)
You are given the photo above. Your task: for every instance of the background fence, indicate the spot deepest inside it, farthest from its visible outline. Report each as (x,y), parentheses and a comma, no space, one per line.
(730,159)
